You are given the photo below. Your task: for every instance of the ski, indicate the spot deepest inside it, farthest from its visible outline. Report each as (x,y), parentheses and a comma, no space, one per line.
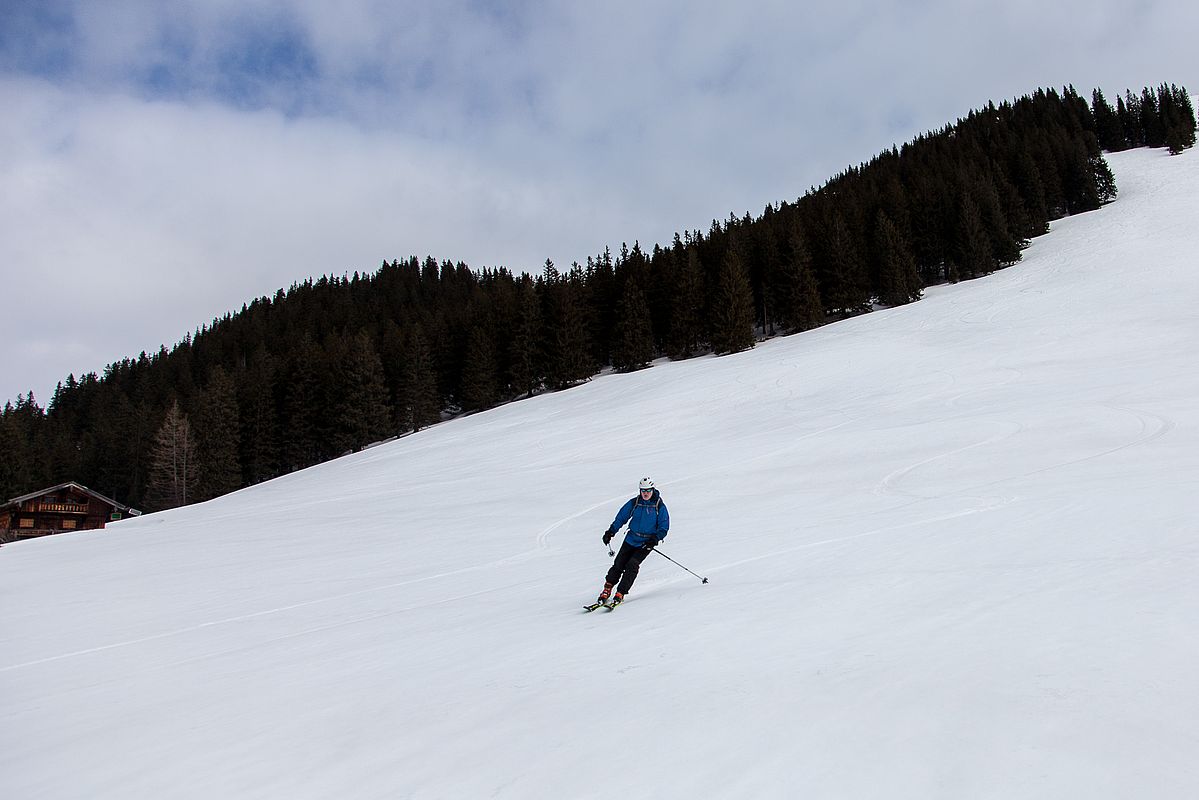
(601,604)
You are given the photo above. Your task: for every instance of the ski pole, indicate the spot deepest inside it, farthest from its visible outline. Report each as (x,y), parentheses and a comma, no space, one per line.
(677,564)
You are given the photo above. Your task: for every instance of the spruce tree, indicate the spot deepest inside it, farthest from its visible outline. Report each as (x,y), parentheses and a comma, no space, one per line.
(1049,168)
(573,339)
(27,467)
(768,275)
(1005,246)
(1104,180)
(1186,124)
(1020,223)
(1129,111)
(479,388)
(1176,141)
(12,479)
(1108,129)
(303,439)
(216,433)
(1151,122)
(259,422)
(802,308)
(659,289)
(972,253)
(899,283)
(732,305)
(687,302)
(1079,178)
(62,439)
(1178,118)
(569,346)
(1026,178)
(116,452)
(600,296)
(526,357)
(361,410)
(420,403)
(848,285)
(633,346)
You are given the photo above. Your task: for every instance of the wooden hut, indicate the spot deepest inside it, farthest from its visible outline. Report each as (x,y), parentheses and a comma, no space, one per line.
(66,507)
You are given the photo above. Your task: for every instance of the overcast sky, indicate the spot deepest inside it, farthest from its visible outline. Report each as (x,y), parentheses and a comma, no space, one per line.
(162,163)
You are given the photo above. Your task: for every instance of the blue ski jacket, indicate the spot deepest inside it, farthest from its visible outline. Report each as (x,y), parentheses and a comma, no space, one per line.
(648,519)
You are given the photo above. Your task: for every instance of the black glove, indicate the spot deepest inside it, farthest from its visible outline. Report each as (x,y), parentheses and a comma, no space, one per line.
(608,534)
(650,543)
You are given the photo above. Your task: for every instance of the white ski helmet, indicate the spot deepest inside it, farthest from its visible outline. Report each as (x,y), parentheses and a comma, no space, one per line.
(646,483)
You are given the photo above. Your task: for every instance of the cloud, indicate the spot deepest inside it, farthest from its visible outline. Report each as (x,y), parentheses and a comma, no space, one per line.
(164,215)
(162,163)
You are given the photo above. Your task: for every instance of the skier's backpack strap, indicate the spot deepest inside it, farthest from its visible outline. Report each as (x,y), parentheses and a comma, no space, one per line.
(657,503)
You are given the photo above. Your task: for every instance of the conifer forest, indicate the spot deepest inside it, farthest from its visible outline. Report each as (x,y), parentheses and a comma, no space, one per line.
(332,365)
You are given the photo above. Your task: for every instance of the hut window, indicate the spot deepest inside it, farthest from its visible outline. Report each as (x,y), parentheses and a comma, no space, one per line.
(26,523)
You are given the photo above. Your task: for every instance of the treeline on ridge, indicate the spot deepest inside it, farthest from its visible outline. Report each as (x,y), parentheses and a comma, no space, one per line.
(332,365)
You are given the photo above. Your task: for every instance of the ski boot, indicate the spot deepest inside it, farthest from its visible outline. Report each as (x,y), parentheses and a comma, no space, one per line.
(602,600)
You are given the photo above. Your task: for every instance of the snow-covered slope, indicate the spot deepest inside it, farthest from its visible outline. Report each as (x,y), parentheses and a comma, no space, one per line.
(951,547)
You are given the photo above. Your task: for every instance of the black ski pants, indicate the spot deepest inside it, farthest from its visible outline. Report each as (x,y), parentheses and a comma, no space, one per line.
(626,566)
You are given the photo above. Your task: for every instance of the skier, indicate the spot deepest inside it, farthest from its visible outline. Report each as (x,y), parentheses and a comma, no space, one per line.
(649,523)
